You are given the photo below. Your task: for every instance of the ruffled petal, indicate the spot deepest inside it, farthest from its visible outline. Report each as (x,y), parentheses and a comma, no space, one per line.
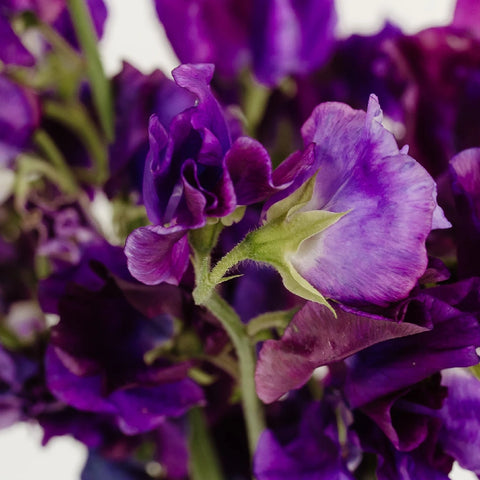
(156,255)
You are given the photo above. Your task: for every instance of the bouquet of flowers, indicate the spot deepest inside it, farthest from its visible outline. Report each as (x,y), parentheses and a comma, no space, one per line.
(266,266)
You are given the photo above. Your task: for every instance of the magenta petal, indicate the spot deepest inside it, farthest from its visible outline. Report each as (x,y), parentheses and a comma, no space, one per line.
(12,50)
(249,165)
(155,254)
(315,338)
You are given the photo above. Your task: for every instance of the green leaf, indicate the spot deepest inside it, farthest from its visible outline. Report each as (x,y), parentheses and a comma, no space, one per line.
(278,319)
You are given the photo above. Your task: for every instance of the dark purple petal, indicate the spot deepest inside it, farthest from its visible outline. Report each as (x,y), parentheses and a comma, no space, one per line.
(208,32)
(79,270)
(63,22)
(143,409)
(100,468)
(172,450)
(186,179)
(395,364)
(250,169)
(137,97)
(137,409)
(83,393)
(291,37)
(12,51)
(19,117)
(465,174)
(154,255)
(313,454)
(409,417)
(315,337)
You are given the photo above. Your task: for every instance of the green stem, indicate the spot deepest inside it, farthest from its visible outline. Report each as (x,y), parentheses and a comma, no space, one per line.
(255,102)
(31,164)
(50,150)
(208,280)
(204,463)
(75,118)
(252,408)
(102,94)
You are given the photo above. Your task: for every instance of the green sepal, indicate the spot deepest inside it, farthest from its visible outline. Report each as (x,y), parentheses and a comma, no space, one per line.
(291,204)
(286,229)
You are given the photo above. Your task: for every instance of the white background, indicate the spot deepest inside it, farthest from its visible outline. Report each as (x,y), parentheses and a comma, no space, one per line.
(134,34)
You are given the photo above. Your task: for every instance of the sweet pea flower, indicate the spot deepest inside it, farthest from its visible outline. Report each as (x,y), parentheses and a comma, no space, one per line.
(314,452)
(375,207)
(194,171)
(279,37)
(96,358)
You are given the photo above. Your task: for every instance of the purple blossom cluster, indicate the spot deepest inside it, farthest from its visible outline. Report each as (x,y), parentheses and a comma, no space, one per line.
(267,265)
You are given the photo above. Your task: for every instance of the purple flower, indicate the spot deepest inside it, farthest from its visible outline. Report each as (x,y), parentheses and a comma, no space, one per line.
(427,462)
(137,97)
(19,116)
(442,70)
(53,12)
(291,37)
(72,245)
(279,37)
(12,51)
(312,453)
(375,252)
(465,175)
(194,171)
(15,371)
(96,359)
(460,433)
(467,16)
(387,367)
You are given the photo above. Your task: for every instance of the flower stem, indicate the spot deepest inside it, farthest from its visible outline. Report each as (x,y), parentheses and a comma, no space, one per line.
(207,281)
(87,38)
(204,463)
(252,408)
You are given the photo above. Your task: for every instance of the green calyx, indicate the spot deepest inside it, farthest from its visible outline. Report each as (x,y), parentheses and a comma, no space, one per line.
(276,242)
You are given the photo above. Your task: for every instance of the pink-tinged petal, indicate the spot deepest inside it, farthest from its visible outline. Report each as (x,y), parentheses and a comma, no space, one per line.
(376,252)
(250,168)
(465,175)
(155,254)
(467,16)
(465,168)
(315,338)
